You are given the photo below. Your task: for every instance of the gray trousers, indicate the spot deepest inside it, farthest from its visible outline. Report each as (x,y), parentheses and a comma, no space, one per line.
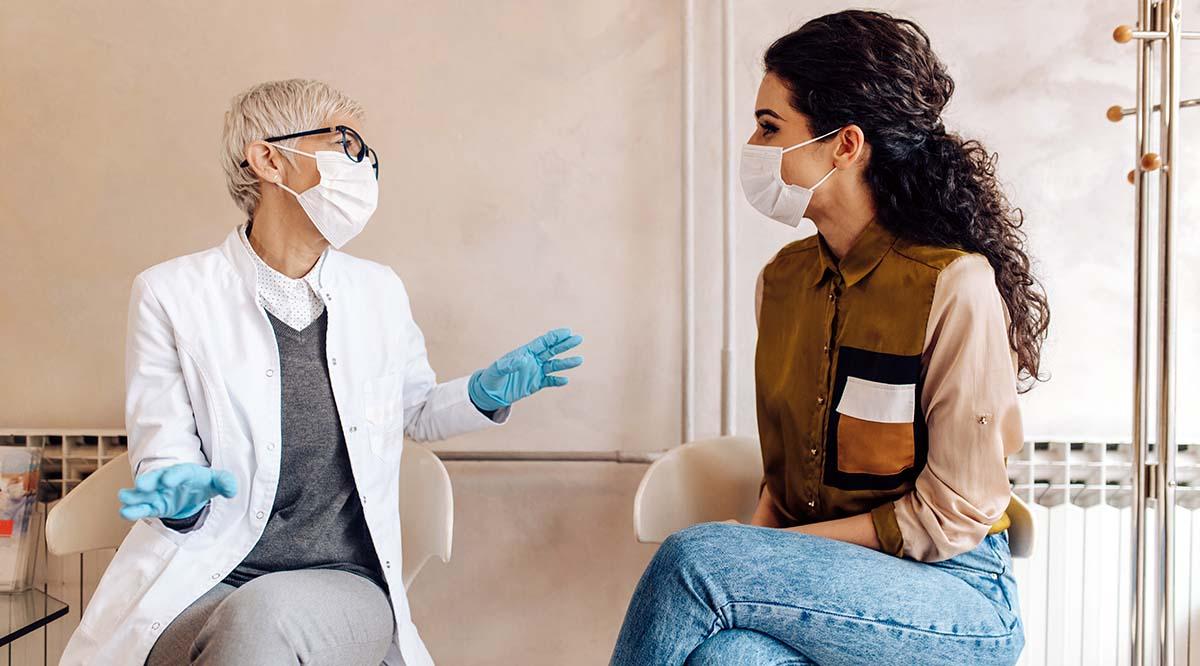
(314,616)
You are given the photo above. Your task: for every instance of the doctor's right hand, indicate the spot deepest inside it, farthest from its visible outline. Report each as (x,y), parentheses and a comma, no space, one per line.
(178,491)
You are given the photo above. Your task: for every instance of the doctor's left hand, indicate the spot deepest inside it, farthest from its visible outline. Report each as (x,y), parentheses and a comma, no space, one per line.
(178,491)
(524,371)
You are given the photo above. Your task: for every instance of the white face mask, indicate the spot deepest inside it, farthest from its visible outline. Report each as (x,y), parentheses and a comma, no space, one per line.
(342,203)
(762,182)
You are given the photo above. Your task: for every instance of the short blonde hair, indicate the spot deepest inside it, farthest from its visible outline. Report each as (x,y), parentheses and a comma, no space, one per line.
(271,109)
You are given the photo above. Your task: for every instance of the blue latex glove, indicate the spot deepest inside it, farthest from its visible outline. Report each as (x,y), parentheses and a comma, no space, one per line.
(175,492)
(525,371)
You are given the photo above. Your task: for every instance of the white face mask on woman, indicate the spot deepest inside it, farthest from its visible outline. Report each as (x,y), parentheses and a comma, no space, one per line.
(342,203)
(762,182)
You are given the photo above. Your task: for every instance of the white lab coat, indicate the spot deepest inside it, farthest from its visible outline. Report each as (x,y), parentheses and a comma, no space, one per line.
(202,386)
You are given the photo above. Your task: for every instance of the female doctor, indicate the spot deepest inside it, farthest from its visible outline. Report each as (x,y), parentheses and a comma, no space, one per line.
(270,382)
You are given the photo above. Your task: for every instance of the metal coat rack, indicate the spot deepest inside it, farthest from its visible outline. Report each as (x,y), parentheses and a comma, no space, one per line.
(1158,36)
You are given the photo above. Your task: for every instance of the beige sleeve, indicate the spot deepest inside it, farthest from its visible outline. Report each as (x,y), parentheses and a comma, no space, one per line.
(974,422)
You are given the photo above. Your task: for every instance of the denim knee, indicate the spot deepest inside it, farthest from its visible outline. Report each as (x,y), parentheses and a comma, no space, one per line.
(690,545)
(741,646)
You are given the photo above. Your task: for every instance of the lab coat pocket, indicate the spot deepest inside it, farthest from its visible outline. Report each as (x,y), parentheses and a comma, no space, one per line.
(875,432)
(384,410)
(137,565)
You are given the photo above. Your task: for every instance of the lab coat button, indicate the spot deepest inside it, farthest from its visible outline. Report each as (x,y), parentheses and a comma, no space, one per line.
(259,515)
(271,446)
(353,428)
(216,576)
(155,626)
(270,372)
(333,361)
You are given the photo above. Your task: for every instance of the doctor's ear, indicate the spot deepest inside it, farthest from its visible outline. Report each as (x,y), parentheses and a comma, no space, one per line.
(264,162)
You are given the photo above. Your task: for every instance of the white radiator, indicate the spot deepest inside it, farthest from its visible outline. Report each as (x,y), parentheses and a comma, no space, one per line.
(1075,588)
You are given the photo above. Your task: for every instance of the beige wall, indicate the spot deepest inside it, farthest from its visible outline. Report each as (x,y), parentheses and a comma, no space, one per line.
(530,170)
(511,201)
(530,179)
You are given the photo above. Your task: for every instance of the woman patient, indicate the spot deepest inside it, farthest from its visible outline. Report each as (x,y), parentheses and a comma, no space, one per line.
(889,351)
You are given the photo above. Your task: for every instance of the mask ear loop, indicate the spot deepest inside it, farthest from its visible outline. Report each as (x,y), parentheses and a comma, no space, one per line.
(813,140)
(814,187)
(298,152)
(802,143)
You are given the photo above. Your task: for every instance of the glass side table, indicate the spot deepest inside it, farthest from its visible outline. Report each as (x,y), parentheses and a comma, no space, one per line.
(25,612)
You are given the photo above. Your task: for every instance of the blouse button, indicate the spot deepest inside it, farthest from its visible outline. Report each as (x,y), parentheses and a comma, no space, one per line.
(820,400)
(811,504)
(825,349)
(983,419)
(814,451)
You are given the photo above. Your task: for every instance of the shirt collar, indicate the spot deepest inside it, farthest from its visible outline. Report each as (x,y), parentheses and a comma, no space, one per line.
(312,277)
(866,253)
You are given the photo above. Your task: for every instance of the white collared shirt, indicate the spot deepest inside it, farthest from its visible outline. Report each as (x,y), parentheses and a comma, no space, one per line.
(295,302)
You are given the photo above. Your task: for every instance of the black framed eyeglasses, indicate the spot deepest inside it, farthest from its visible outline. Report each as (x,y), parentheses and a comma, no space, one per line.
(356,149)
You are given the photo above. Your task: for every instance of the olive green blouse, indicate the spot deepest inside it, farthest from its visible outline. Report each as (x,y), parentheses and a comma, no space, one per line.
(886,384)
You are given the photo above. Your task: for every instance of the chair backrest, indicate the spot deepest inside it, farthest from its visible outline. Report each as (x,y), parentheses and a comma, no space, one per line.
(718,479)
(87,518)
(710,480)
(1022,528)
(426,510)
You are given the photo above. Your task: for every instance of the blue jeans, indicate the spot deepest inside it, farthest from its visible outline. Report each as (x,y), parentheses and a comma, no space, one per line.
(734,594)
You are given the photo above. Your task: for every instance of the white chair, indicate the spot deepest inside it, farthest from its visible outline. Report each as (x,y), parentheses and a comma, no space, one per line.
(87,518)
(710,480)
(426,510)
(718,479)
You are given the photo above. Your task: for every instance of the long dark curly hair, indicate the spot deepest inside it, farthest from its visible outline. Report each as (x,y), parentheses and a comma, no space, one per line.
(930,186)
